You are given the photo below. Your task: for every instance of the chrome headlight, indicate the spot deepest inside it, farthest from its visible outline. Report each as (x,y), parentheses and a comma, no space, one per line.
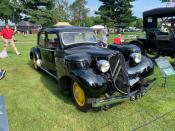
(137,57)
(103,65)
(39,62)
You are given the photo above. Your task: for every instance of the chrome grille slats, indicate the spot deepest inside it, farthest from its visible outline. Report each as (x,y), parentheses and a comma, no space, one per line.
(115,68)
(115,77)
(119,73)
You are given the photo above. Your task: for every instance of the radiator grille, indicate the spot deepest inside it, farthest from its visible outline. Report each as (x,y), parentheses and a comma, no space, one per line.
(119,73)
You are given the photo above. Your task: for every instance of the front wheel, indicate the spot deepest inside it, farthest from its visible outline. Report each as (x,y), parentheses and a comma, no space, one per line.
(79,96)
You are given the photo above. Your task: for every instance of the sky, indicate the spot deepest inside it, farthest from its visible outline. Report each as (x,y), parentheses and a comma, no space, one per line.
(139,6)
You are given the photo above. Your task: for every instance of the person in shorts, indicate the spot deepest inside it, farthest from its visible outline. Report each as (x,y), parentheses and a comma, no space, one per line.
(7,37)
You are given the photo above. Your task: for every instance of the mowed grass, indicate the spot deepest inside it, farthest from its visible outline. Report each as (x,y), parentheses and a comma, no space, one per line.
(34,102)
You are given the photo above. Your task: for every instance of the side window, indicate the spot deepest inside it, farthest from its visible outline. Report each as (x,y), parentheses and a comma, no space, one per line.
(42,38)
(52,40)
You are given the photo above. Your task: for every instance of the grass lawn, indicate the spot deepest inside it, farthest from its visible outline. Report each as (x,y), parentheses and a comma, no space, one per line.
(34,102)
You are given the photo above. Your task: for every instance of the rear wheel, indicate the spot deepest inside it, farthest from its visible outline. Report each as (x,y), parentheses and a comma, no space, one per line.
(79,96)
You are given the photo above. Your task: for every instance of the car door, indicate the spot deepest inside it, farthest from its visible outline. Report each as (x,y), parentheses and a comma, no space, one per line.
(41,46)
(51,44)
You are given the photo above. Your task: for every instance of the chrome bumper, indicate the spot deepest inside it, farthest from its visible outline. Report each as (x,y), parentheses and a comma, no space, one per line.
(113,100)
(116,99)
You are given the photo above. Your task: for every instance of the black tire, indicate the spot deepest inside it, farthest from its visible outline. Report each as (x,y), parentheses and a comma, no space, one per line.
(79,96)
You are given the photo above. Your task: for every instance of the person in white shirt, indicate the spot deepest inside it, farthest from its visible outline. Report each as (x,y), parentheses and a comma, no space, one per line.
(104,35)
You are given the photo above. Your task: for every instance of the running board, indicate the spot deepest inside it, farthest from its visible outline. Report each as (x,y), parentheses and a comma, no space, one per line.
(48,72)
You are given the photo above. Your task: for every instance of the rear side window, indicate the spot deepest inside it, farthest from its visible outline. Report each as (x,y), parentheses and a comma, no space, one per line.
(42,38)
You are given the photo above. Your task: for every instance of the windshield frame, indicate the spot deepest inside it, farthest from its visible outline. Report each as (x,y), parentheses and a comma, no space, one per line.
(77,43)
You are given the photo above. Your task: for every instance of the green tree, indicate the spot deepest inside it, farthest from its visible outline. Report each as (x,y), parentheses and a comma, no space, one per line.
(10,9)
(61,11)
(79,11)
(115,11)
(40,11)
(139,23)
(92,20)
(97,20)
(88,21)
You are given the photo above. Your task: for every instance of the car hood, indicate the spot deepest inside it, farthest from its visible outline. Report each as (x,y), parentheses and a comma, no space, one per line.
(90,50)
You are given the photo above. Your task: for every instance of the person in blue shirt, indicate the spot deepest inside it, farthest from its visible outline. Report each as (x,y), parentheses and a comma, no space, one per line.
(2,73)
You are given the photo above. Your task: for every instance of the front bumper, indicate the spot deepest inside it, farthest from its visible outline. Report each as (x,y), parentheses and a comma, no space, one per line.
(136,74)
(117,99)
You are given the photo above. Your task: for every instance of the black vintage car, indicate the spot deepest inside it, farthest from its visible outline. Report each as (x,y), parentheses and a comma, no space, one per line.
(159,26)
(95,76)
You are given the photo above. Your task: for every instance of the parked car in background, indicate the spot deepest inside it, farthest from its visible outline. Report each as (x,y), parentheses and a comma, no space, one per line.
(95,76)
(159,26)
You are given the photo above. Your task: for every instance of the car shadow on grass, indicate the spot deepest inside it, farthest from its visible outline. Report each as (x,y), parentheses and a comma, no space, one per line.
(52,85)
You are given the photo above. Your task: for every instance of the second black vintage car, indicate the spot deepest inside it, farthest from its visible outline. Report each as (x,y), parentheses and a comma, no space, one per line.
(95,76)
(159,27)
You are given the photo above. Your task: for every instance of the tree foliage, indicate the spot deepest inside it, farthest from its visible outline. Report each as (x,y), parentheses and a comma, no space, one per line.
(79,11)
(115,11)
(40,11)
(138,22)
(61,11)
(10,9)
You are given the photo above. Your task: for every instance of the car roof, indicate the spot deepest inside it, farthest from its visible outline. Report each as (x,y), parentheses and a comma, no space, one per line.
(66,29)
(160,12)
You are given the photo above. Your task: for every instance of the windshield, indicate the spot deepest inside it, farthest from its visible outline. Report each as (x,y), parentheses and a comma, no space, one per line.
(70,38)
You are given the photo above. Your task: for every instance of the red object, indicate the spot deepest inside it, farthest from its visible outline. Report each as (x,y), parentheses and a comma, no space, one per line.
(7,33)
(118,40)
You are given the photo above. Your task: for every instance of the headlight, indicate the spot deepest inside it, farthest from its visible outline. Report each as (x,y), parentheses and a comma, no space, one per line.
(103,65)
(137,57)
(39,62)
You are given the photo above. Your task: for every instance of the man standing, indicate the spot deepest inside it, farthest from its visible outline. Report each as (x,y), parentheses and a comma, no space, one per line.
(7,37)
(104,35)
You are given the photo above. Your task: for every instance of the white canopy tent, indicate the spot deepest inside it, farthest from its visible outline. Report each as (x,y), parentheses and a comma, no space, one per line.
(97,27)
(62,24)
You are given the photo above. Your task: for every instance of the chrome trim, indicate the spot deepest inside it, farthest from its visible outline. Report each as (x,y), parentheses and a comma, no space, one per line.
(115,68)
(116,75)
(112,100)
(108,101)
(46,49)
(48,73)
(133,81)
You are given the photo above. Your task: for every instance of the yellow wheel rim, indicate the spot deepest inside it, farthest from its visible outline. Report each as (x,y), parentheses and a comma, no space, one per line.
(34,62)
(79,94)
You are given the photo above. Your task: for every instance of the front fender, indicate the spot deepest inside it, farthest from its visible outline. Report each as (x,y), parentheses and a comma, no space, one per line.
(36,52)
(144,69)
(93,84)
(125,49)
